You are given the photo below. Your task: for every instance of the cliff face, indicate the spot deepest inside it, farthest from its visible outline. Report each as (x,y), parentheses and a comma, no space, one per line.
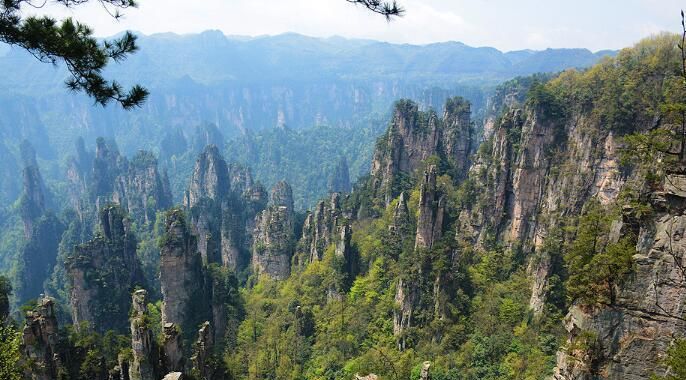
(626,340)
(107,176)
(192,292)
(319,230)
(38,257)
(142,190)
(222,201)
(273,240)
(540,170)
(202,354)
(42,231)
(181,275)
(541,163)
(457,141)
(144,348)
(172,349)
(339,181)
(431,209)
(415,136)
(32,201)
(210,178)
(107,165)
(10,185)
(103,272)
(39,341)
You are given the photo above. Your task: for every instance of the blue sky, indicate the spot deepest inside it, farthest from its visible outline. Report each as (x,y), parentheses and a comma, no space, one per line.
(504,24)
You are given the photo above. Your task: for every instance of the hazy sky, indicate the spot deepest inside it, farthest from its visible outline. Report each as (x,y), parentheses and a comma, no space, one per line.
(504,24)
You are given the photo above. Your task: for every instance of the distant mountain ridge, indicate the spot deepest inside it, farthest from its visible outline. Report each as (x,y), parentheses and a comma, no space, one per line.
(211,57)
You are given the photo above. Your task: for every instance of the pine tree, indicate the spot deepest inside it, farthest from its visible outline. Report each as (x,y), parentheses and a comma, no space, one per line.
(73,44)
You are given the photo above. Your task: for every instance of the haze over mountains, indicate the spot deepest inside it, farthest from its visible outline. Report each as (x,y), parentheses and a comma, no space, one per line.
(211,56)
(247,84)
(287,207)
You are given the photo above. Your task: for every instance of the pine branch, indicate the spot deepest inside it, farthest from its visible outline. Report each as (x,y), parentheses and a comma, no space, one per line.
(384,8)
(73,44)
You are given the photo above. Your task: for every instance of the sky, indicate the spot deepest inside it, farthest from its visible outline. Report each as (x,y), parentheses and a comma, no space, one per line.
(503,24)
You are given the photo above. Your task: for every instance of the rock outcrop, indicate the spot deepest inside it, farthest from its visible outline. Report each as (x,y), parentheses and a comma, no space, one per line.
(457,139)
(429,230)
(282,196)
(174,376)
(42,232)
(207,134)
(400,228)
(538,170)
(173,144)
(210,178)
(371,376)
(103,272)
(32,201)
(182,278)
(203,367)
(320,229)
(172,349)
(39,341)
(107,165)
(107,176)
(626,340)
(223,201)
(431,209)
(406,298)
(344,243)
(141,190)
(38,256)
(425,373)
(339,181)
(413,137)
(144,365)
(273,241)
(79,170)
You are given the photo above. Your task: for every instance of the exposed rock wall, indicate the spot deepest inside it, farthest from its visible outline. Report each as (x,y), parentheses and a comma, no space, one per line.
(103,272)
(209,186)
(39,341)
(414,136)
(182,278)
(32,201)
(172,350)
(282,196)
(38,257)
(107,176)
(400,228)
(457,140)
(107,165)
(627,340)
(273,240)
(141,190)
(339,181)
(144,365)
(540,171)
(320,229)
(202,353)
(431,209)
(405,301)
(223,201)
(210,178)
